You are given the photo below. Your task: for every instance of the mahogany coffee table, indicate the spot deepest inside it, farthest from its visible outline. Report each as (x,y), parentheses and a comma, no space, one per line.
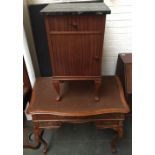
(77,106)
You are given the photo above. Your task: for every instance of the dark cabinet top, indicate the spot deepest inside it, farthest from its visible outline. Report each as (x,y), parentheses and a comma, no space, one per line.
(126,57)
(76,8)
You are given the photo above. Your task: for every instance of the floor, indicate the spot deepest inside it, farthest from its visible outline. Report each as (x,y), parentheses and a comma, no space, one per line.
(84,139)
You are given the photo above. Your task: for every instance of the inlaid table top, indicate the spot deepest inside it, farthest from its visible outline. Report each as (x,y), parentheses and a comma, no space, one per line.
(78,98)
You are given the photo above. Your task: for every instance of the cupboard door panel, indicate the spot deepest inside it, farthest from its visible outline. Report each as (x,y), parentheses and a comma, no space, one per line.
(76,54)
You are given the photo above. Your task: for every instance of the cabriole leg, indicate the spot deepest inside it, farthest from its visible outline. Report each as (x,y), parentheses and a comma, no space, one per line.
(118,135)
(56,85)
(38,133)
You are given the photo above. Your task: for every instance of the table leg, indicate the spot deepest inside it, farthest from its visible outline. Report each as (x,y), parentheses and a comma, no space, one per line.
(42,141)
(28,144)
(38,139)
(118,135)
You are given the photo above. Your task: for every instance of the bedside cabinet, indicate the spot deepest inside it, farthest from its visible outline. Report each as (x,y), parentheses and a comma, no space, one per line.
(75,33)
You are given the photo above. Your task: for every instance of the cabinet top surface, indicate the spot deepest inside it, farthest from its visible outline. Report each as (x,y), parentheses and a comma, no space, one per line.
(78,98)
(77,8)
(126,57)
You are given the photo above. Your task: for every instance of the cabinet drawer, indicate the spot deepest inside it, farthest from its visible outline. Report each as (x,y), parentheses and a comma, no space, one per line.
(75,23)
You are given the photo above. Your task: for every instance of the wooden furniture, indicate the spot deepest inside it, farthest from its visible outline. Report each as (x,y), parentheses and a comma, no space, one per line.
(124,71)
(75,34)
(77,106)
(27,89)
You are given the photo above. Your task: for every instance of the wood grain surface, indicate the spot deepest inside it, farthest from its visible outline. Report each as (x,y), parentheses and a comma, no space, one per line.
(78,98)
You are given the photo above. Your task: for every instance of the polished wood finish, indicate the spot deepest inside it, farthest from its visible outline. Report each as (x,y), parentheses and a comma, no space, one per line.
(124,72)
(77,106)
(75,46)
(56,85)
(26,84)
(78,98)
(75,52)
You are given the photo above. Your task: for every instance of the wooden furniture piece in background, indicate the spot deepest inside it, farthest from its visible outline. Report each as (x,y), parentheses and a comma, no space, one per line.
(27,89)
(77,106)
(75,33)
(124,71)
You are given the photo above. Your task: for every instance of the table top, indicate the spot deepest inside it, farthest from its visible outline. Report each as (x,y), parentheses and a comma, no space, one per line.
(77,8)
(78,98)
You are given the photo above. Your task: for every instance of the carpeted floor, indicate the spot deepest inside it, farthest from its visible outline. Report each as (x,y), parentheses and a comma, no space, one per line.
(84,139)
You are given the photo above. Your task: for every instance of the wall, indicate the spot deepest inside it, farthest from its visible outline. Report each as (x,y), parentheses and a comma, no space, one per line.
(117,33)
(28,61)
(28,40)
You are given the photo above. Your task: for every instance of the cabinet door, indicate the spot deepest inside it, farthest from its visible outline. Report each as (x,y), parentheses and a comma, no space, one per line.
(76,54)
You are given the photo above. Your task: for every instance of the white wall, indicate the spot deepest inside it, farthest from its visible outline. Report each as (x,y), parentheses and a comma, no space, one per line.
(117,33)
(28,60)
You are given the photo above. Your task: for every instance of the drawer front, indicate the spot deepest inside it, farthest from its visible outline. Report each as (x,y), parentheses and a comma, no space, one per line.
(75,23)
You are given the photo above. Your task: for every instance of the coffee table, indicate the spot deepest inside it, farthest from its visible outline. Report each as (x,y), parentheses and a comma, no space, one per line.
(77,106)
